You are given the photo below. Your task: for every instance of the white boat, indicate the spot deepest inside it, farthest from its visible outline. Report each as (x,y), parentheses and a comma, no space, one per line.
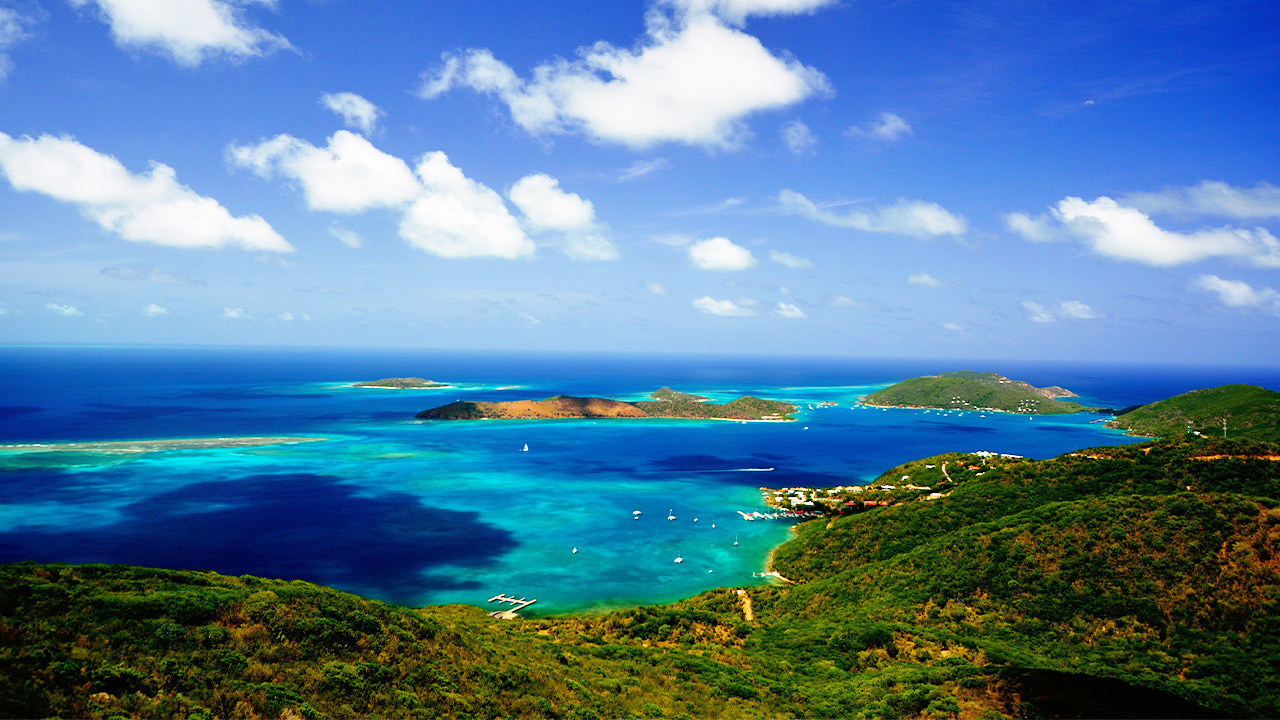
(575,551)
(679,559)
(525,448)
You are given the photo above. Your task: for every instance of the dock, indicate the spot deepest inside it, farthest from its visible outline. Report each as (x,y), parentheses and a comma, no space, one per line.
(517,604)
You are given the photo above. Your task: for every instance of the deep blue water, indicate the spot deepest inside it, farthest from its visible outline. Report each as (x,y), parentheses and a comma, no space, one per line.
(422,513)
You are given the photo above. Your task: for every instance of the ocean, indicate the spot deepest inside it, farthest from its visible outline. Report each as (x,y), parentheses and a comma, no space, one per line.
(421,513)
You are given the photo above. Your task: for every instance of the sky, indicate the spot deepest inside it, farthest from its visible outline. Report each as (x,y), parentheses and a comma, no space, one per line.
(1049,180)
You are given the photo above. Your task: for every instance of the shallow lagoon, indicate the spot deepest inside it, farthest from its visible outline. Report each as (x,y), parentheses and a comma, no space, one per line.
(439,512)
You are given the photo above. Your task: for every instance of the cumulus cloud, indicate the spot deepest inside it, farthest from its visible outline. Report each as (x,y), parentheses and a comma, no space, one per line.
(154,310)
(951,327)
(721,255)
(692,79)
(1212,198)
(441,210)
(356,112)
(13,29)
(548,208)
(723,308)
(236,313)
(885,128)
(654,288)
(63,310)
(1126,233)
(349,175)
(187,31)
(1239,294)
(786,259)
(285,317)
(787,310)
(799,139)
(905,217)
(924,280)
(148,207)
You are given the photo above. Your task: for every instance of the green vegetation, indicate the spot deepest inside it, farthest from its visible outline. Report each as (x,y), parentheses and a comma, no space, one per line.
(1128,581)
(1250,412)
(967,390)
(402,383)
(667,403)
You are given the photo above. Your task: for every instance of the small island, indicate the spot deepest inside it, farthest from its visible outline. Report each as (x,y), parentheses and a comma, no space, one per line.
(968,390)
(663,403)
(1238,411)
(402,383)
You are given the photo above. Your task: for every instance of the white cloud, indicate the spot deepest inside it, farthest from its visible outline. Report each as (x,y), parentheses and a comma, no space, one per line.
(721,255)
(13,29)
(787,310)
(1077,310)
(150,207)
(924,280)
(842,301)
(1238,294)
(886,128)
(905,217)
(1212,198)
(799,138)
(788,260)
(236,314)
(736,11)
(63,310)
(692,80)
(640,168)
(951,327)
(1039,313)
(154,310)
(723,308)
(285,317)
(188,31)
(1069,309)
(350,238)
(4,308)
(441,210)
(350,175)
(1125,233)
(547,207)
(656,288)
(356,111)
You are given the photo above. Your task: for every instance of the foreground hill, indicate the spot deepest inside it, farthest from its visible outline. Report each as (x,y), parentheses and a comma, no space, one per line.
(1250,412)
(1139,581)
(968,390)
(664,403)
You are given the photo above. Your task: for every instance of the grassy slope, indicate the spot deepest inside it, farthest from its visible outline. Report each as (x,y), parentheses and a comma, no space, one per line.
(1094,577)
(671,405)
(979,390)
(1251,413)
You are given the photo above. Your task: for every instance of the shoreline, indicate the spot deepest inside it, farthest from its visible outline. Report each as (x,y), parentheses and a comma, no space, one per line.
(160,445)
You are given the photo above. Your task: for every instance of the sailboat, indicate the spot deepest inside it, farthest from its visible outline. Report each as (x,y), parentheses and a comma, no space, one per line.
(735,541)
(671,514)
(525,448)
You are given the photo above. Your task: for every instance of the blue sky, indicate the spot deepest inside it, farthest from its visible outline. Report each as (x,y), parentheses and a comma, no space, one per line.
(969,179)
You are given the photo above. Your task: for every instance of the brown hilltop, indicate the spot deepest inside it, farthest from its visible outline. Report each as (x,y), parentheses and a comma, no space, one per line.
(560,406)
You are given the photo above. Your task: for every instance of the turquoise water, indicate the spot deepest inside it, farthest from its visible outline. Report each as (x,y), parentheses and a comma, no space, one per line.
(455,512)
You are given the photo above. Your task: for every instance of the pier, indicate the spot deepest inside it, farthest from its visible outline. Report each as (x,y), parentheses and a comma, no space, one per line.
(517,604)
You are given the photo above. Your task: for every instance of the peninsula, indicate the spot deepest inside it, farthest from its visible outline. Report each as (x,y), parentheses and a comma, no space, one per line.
(402,383)
(968,390)
(1238,411)
(663,403)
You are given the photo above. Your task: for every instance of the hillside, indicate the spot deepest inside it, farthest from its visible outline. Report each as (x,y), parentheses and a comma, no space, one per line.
(667,403)
(1250,412)
(968,390)
(1138,581)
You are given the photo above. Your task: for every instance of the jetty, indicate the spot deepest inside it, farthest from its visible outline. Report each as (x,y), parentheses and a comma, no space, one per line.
(517,604)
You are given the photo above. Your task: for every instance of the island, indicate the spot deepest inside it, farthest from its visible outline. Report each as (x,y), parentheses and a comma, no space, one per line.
(402,383)
(127,447)
(968,390)
(1238,411)
(663,403)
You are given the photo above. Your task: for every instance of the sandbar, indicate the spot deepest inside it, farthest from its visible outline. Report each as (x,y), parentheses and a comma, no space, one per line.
(146,446)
